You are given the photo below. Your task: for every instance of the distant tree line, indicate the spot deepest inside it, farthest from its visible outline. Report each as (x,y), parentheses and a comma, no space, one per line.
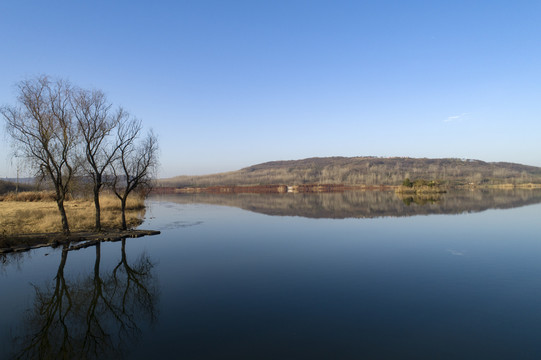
(10,186)
(64,132)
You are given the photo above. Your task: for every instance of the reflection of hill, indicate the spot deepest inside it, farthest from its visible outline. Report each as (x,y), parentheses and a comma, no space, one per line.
(364,204)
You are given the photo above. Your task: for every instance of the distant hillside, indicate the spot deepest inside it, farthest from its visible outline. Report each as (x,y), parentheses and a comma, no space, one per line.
(367,171)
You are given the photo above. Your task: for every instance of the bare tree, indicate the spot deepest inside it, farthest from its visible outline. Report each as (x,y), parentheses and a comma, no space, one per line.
(95,121)
(43,129)
(136,163)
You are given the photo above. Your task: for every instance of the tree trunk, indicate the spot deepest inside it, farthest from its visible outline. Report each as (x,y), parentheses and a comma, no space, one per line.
(123,209)
(65,225)
(97,206)
(124,258)
(63,259)
(97,263)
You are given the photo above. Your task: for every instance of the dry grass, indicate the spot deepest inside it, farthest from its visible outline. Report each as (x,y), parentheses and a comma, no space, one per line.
(26,217)
(28,196)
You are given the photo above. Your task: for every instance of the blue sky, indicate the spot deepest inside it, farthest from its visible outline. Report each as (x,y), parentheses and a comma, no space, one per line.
(227,84)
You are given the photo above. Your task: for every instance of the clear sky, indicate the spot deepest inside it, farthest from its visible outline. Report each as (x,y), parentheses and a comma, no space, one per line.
(227,84)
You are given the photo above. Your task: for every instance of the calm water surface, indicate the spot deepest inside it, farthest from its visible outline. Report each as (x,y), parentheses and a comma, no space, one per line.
(293,276)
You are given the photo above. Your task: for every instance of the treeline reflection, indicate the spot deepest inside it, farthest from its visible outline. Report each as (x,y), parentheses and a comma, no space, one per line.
(365,204)
(97,315)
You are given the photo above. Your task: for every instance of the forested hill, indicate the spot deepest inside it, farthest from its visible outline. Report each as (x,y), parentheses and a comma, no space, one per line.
(367,171)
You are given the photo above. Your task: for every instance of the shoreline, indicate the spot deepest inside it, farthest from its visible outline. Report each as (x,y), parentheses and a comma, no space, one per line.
(271,189)
(83,239)
(325,188)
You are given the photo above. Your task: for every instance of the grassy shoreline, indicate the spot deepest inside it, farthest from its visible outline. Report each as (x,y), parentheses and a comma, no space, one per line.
(37,213)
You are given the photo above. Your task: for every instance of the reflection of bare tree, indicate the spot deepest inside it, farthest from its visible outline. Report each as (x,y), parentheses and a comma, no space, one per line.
(93,317)
(134,287)
(13,258)
(48,319)
(95,340)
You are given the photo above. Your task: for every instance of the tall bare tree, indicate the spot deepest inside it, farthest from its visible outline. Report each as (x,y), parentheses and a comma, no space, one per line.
(135,164)
(43,129)
(96,120)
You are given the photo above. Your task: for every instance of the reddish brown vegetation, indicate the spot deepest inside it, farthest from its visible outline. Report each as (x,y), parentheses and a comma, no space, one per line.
(270,189)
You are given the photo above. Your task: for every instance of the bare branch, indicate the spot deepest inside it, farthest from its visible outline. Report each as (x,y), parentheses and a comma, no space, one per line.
(135,165)
(43,129)
(95,121)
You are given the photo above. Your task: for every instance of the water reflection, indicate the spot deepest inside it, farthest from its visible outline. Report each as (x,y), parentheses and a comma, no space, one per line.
(93,316)
(13,259)
(365,204)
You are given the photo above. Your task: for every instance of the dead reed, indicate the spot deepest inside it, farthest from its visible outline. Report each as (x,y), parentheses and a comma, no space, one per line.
(28,196)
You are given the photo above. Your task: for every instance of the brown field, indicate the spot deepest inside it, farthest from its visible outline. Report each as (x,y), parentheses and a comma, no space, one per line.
(30,213)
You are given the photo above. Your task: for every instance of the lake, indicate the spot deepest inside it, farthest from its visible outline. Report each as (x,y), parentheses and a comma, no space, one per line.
(291,276)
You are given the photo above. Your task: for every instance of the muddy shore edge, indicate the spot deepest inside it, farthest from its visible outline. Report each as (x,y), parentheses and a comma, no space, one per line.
(76,240)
